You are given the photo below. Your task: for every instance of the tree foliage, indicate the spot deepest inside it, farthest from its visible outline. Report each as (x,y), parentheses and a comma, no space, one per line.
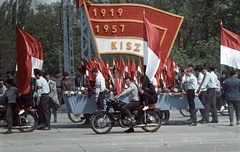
(198,41)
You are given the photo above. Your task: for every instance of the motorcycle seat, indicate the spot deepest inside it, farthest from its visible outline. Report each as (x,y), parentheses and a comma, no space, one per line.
(150,106)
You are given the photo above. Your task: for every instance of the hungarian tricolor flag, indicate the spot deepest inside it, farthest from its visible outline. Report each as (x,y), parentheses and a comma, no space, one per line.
(29,57)
(152,49)
(230,48)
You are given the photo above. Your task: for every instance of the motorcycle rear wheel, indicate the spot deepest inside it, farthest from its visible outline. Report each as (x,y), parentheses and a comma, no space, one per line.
(29,121)
(153,122)
(75,117)
(101,123)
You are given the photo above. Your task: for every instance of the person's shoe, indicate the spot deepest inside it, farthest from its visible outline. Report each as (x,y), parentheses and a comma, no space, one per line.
(231,124)
(46,128)
(213,122)
(222,108)
(193,124)
(9,131)
(21,111)
(145,108)
(40,127)
(55,121)
(202,121)
(129,130)
(189,119)
(238,123)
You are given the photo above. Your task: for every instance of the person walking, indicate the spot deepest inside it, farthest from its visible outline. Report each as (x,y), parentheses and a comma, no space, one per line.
(231,88)
(191,82)
(100,87)
(43,100)
(54,103)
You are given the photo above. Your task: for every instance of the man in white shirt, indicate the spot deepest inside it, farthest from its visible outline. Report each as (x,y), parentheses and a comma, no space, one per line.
(43,101)
(100,87)
(210,82)
(191,87)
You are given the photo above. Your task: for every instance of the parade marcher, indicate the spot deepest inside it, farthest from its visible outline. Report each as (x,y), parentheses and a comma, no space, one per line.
(100,88)
(191,81)
(202,96)
(58,80)
(133,103)
(10,95)
(210,82)
(231,88)
(43,101)
(54,103)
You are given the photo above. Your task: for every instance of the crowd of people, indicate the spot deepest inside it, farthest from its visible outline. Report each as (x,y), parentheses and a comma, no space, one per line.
(207,86)
(192,81)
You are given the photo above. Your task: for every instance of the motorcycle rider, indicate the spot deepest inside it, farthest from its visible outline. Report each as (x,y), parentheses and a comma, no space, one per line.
(133,103)
(10,95)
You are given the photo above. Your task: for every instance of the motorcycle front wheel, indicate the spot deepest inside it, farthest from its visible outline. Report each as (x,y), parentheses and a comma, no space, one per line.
(152,121)
(101,123)
(29,122)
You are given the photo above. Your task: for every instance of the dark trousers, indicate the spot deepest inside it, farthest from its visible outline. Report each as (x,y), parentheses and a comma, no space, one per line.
(54,112)
(100,103)
(147,98)
(129,107)
(44,110)
(211,104)
(234,105)
(191,103)
(202,98)
(9,114)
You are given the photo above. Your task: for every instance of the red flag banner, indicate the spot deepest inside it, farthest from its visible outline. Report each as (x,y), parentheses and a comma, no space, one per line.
(29,56)
(152,50)
(230,48)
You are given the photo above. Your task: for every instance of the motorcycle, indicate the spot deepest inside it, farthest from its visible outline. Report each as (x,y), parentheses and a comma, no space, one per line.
(102,121)
(25,119)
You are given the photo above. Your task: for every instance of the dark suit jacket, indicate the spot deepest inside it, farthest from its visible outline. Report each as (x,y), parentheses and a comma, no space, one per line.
(231,88)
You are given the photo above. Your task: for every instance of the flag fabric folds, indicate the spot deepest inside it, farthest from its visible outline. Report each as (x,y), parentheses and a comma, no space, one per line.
(29,56)
(230,48)
(152,51)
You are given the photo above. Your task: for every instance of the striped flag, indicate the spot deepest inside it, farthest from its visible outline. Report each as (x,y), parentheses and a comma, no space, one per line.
(152,51)
(29,57)
(230,48)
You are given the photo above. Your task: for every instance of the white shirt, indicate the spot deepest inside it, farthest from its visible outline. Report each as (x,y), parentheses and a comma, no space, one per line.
(191,82)
(210,81)
(99,83)
(42,87)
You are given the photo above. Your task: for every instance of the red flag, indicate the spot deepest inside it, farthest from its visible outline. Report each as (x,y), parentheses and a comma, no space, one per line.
(152,51)
(128,67)
(122,67)
(80,2)
(139,68)
(29,56)
(133,69)
(230,48)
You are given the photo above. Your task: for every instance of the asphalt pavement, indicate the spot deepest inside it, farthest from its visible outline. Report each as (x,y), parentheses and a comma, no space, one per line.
(175,136)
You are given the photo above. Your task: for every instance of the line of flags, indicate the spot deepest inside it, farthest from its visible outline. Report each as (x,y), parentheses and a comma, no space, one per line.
(114,76)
